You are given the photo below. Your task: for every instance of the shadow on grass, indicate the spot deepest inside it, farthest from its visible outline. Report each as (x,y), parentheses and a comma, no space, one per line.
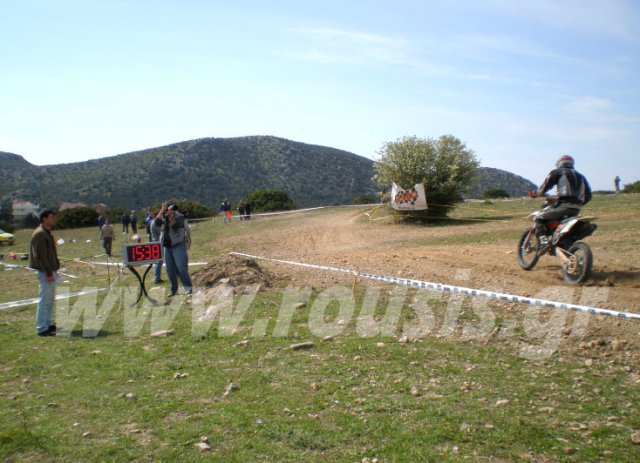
(88,335)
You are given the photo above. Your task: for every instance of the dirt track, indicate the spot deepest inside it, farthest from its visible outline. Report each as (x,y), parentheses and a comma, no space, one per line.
(348,240)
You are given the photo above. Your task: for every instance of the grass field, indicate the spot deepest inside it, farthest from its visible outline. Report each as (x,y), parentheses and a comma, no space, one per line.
(348,398)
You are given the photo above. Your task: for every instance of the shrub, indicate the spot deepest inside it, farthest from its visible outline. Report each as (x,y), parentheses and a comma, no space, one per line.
(195,209)
(363,199)
(77,217)
(269,201)
(495,193)
(8,227)
(632,187)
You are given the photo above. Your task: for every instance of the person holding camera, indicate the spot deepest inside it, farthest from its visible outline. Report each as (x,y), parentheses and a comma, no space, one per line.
(172,237)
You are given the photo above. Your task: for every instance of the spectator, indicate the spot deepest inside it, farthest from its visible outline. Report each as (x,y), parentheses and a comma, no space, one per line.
(107,235)
(225,208)
(147,222)
(125,222)
(241,210)
(175,252)
(43,257)
(134,222)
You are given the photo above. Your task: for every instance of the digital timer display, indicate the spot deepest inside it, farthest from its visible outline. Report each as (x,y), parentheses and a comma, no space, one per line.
(140,254)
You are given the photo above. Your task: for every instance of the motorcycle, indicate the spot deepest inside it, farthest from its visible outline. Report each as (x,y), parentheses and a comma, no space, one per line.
(561,240)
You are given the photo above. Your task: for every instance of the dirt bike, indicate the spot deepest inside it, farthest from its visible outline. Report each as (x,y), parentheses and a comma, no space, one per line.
(561,241)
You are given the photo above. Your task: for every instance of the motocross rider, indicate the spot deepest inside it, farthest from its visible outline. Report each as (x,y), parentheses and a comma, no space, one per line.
(573,191)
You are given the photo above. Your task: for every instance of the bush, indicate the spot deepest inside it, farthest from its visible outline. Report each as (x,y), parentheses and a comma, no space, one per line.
(29,221)
(195,209)
(270,201)
(363,199)
(495,193)
(8,227)
(632,187)
(77,217)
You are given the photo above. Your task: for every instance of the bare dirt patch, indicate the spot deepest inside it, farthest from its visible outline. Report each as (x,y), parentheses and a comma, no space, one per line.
(483,257)
(236,272)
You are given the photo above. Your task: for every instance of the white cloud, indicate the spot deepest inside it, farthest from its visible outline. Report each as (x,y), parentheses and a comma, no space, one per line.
(588,106)
(331,45)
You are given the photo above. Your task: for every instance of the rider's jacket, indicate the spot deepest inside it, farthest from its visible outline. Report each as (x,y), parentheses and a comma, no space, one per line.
(572,186)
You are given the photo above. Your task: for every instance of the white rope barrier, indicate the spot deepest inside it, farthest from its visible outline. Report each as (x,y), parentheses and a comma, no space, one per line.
(455,289)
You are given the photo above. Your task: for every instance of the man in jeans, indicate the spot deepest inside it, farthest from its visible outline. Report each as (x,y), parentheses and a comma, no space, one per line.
(176,260)
(43,257)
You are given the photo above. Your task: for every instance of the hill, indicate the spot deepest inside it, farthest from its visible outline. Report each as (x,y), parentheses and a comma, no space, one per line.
(489,177)
(209,170)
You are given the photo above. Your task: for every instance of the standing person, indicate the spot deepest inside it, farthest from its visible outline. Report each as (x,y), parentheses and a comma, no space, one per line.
(247,211)
(241,210)
(156,231)
(175,252)
(616,182)
(107,235)
(147,222)
(100,221)
(125,222)
(573,192)
(43,257)
(134,222)
(225,208)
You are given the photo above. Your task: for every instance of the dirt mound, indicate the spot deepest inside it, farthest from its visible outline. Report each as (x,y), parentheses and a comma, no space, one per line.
(237,272)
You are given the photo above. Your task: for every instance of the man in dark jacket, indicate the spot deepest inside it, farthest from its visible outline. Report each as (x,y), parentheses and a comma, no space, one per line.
(176,260)
(43,257)
(573,192)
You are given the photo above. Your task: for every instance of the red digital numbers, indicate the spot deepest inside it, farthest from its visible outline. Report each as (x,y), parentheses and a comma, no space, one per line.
(140,253)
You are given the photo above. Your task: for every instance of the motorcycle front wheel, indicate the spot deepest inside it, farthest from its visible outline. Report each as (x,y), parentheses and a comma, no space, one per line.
(528,249)
(579,266)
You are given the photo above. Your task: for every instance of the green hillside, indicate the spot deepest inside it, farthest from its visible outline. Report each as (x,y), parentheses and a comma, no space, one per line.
(207,170)
(211,169)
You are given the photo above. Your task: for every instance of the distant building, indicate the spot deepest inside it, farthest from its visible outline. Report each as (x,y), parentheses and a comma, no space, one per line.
(64,206)
(22,208)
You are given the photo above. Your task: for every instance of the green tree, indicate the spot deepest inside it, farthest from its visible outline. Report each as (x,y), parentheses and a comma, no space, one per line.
(269,201)
(632,187)
(445,166)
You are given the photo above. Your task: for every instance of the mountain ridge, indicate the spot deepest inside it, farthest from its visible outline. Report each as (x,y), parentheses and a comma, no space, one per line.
(211,169)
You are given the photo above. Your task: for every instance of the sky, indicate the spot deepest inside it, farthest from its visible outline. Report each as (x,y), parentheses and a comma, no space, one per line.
(520,82)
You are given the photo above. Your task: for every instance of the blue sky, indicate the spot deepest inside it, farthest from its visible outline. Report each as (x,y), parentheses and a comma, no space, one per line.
(520,82)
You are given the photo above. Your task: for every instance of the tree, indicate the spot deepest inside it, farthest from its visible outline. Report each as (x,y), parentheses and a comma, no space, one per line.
(632,187)
(445,166)
(270,200)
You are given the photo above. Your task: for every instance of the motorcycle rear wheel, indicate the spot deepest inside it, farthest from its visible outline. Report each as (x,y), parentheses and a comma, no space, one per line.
(578,269)
(528,249)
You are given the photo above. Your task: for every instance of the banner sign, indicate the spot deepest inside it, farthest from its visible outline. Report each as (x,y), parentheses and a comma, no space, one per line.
(412,199)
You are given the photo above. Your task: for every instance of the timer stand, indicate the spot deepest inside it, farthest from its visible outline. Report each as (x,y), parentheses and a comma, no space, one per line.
(142,289)
(142,254)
